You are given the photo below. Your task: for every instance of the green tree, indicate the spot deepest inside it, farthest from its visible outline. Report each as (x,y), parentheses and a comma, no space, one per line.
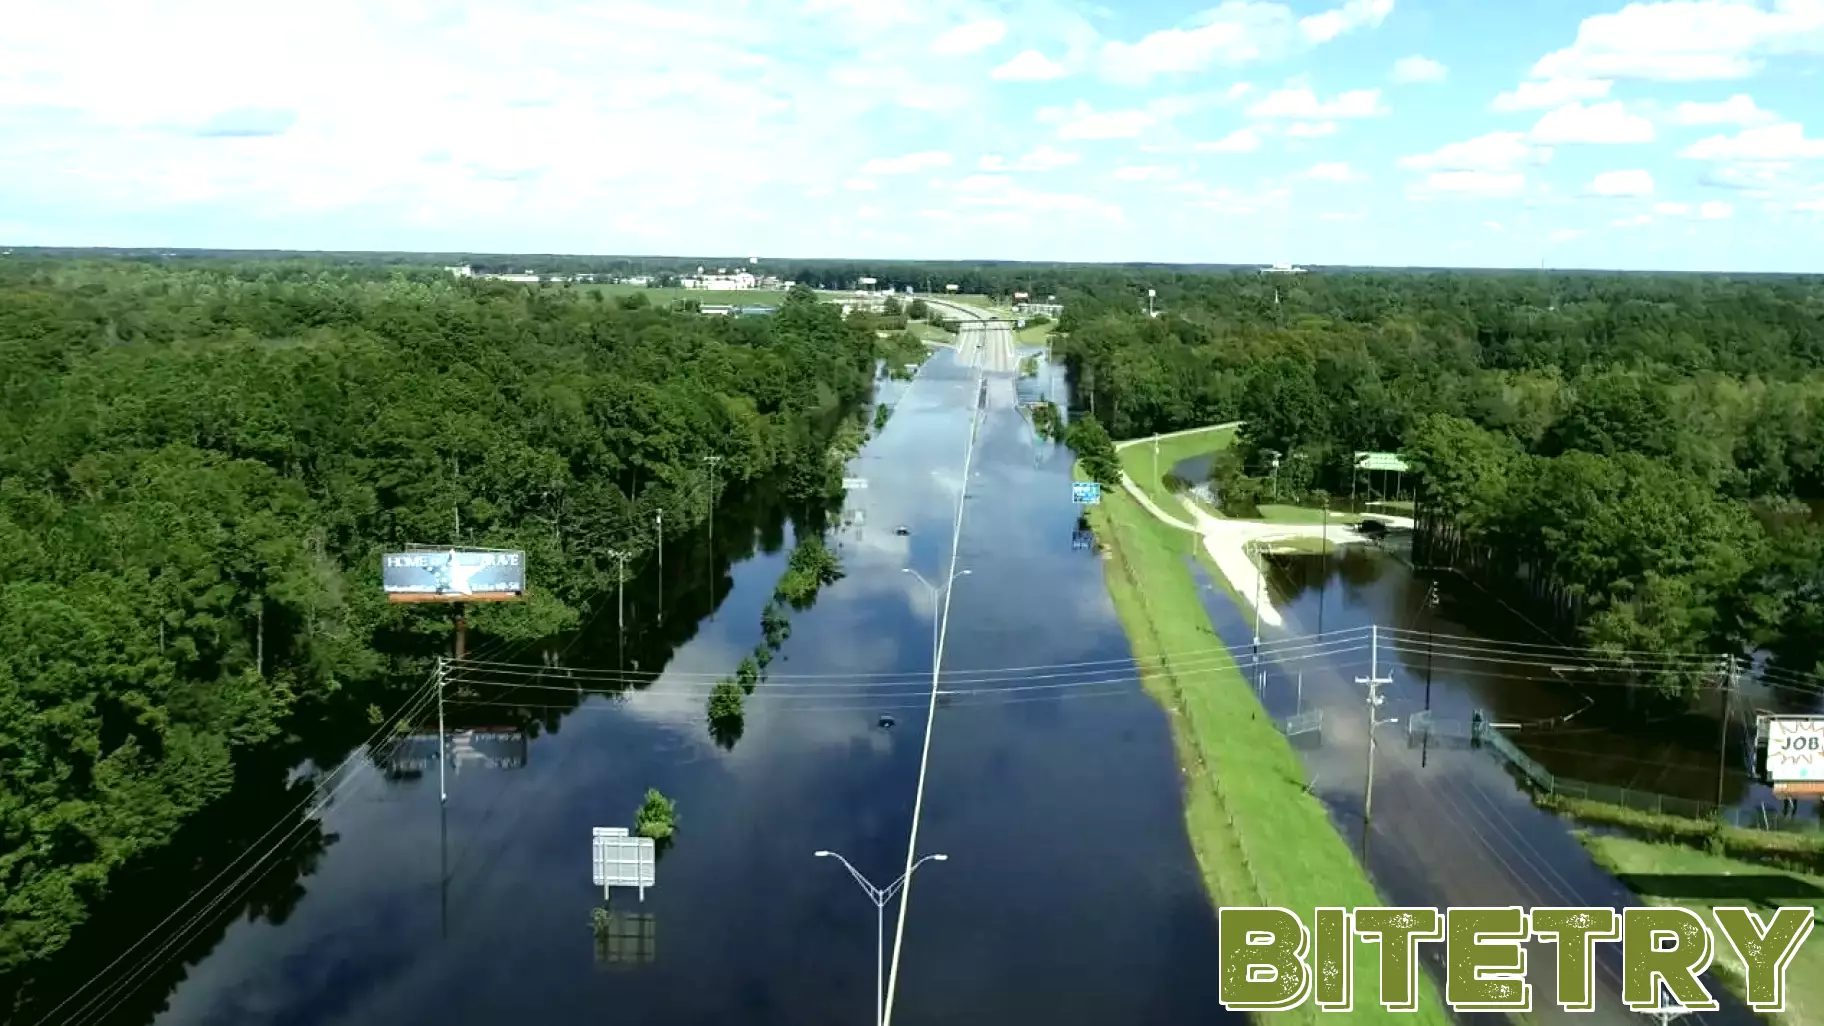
(657,817)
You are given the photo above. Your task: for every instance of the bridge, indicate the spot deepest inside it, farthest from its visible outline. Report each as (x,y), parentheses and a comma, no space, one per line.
(982,340)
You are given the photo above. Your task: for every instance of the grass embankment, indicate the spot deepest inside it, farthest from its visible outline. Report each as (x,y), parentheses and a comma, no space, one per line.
(1260,839)
(1671,874)
(1803,852)
(1137,460)
(1034,334)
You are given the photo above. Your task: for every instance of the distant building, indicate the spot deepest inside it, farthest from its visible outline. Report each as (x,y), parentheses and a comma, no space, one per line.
(1034,309)
(1282,269)
(737,282)
(715,311)
(527,277)
(465,271)
(754,311)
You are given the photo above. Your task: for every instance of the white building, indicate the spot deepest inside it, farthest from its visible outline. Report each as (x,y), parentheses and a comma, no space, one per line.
(737,282)
(1282,269)
(465,271)
(527,277)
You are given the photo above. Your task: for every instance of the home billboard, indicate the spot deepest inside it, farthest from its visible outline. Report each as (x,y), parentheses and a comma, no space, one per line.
(453,575)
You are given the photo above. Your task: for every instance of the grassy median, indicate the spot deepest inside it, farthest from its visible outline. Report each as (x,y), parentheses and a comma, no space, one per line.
(1672,874)
(1137,460)
(1260,839)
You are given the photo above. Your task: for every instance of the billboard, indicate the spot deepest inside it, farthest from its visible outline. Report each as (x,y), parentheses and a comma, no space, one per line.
(1381,461)
(483,747)
(453,575)
(1795,750)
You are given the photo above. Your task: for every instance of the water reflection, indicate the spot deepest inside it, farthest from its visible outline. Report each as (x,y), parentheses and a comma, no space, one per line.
(1479,653)
(1060,810)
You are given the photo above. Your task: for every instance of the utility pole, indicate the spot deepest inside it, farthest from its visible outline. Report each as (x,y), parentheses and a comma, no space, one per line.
(1323,585)
(713,462)
(620,588)
(443,790)
(1431,640)
(1260,575)
(659,532)
(1722,734)
(1275,477)
(1374,681)
(1155,456)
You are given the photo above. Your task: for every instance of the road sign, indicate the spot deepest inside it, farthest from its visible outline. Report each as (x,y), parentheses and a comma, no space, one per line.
(854,484)
(1087,493)
(621,860)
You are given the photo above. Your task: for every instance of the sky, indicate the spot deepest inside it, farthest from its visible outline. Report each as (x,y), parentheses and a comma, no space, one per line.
(1678,135)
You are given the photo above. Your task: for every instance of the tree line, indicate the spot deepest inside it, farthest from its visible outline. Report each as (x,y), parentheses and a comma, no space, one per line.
(1650,445)
(201,462)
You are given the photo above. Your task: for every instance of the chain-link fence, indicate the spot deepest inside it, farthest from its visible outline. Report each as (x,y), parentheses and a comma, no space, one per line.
(1759,817)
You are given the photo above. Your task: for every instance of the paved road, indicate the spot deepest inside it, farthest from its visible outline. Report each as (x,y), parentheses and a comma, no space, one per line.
(982,341)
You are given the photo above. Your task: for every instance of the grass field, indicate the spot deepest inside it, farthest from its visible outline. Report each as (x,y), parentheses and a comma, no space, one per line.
(1034,335)
(1137,460)
(1259,838)
(665,297)
(1760,888)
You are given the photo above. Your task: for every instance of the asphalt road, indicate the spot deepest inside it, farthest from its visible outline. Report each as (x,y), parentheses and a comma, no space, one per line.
(982,341)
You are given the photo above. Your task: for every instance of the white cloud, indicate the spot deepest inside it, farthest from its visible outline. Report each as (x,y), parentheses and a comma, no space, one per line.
(911,163)
(1621,183)
(1567,234)
(1771,142)
(1337,171)
(1496,151)
(1081,121)
(1224,199)
(1715,210)
(1815,206)
(1302,103)
(1321,28)
(1672,209)
(1552,92)
(1238,90)
(1242,140)
(1029,66)
(983,183)
(1596,124)
(1234,32)
(970,37)
(1145,173)
(1635,221)
(1753,177)
(1739,109)
(860,185)
(1418,69)
(1474,183)
(1311,129)
(1686,40)
(1042,158)
(1493,226)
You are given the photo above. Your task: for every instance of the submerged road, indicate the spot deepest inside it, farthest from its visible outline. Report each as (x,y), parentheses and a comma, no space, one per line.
(983,342)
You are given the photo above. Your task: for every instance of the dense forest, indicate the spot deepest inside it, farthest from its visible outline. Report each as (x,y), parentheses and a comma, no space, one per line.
(200,463)
(1646,444)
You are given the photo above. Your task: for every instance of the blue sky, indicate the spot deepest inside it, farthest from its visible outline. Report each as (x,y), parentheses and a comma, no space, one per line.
(1677,135)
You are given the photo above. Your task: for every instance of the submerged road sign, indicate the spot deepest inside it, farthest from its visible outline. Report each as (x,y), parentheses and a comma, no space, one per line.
(453,575)
(621,860)
(1087,493)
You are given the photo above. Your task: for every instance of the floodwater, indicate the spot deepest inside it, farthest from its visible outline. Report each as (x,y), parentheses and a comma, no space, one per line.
(1446,825)
(1069,896)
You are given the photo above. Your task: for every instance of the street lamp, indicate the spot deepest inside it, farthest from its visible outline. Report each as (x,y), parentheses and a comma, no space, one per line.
(880,896)
(936,613)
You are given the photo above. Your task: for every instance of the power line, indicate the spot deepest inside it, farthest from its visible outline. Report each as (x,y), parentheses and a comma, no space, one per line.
(343,781)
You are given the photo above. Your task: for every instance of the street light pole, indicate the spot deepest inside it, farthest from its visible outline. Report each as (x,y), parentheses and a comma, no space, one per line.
(937,597)
(880,896)
(1374,680)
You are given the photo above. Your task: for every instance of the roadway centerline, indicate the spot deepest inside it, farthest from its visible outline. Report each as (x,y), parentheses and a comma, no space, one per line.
(978,409)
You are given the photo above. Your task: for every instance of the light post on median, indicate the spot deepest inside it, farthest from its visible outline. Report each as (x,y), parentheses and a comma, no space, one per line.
(880,896)
(937,595)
